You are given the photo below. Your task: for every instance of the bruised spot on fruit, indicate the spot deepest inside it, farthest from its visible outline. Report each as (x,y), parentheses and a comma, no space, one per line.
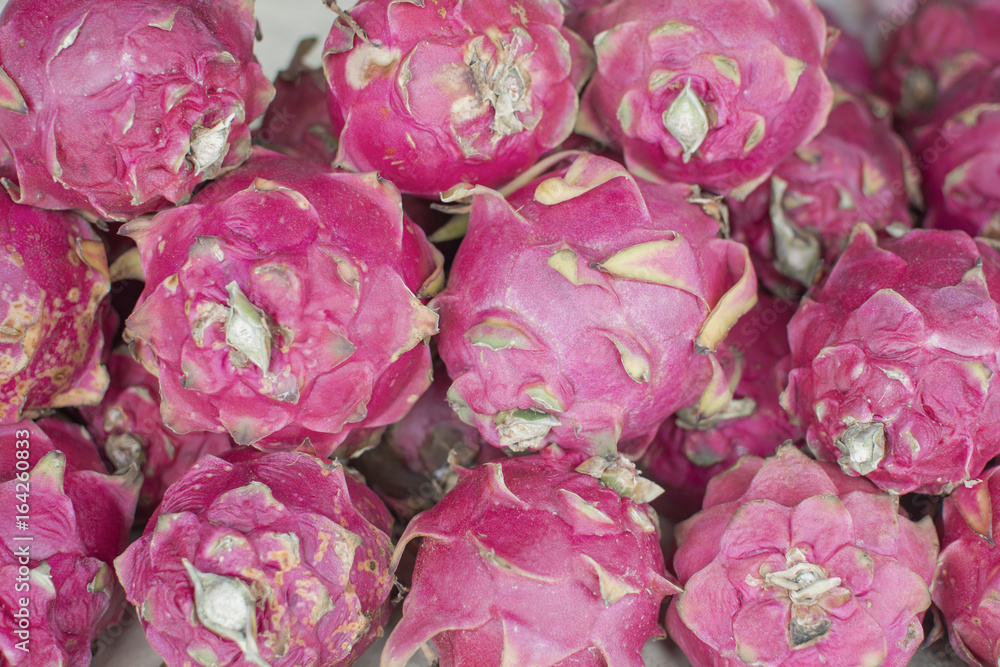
(368,62)
(209,145)
(225,606)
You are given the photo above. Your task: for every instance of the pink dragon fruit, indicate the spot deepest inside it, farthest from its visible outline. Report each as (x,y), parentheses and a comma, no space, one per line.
(967,588)
(960,157)
(855,170)
(944,42)
(283,305)
(688,451)
(123,108)
(128,427)
(435,95)
(893,356)
(259,559)
(297,122)
(714,93)
(67,521)
(793,563)
(536,543)
(585,309)
(53,280)
(847,62)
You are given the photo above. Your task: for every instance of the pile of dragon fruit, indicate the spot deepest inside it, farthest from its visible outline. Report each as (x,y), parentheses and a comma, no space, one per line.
(550,328)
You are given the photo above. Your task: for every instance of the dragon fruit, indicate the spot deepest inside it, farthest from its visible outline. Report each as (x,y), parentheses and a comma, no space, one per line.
(297,122)
(283,305)
(847,62)
(960,157)
(435,95)
(585,309)
(688,451)
(793,563)
(128,427)
(714,93)
(893,357)
(53,280)
(123,108)
(267,559)
(67,521)
(855,170)
(536,543)
(943,43)
(967,589)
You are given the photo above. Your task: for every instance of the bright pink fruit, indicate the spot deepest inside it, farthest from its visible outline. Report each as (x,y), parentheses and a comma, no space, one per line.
(855,170)
(257,559)
(435,95)
(283,305)
(847,63)
(893,358)
(123,108)
(127,425)
(529,562)
(57,589)
(714,93)
(967,589)
(53,280)
(793,563)
(585,309)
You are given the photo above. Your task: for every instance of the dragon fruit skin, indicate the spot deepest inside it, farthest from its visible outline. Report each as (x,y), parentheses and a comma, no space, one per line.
(967,587)
(53,280)
(855,170)
(123,108)
(536,542)
(687,453)
(327,261)
(848,64)
(128,427)
(435,95)
(584,309)
(893,356)
(256,558)
(78,522)
(297,122)
(793,563)
(712,93)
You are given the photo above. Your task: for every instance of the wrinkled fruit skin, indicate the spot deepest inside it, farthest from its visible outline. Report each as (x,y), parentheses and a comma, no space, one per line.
(793,563)
(967,589)
(78,521)
(895,360)
(536,543)
(282,553)
(585,308)
(123,108)
(717,107)
(297,122)
(941,44)
(688,452)
(855,170)
(309,273)
(445,93)
(128,427)
(53,280)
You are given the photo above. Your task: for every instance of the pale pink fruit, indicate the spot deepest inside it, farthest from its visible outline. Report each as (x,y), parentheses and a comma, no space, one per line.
(283,305)
(262,559)
(793,563)
(856,170)
(714,93)
(967,588)
(53,280)
(529,562)
(67,520)
(893,357)
(437,94)
(297,121)
(687,451)
(128,427)
(123,108)
(585,309)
